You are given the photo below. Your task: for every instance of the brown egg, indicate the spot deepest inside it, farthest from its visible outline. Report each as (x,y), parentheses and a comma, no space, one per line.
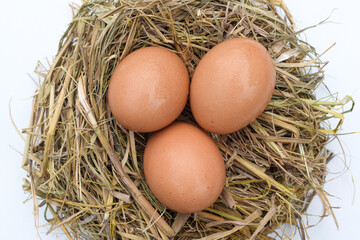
(149,89)
(184,168)
(232,85)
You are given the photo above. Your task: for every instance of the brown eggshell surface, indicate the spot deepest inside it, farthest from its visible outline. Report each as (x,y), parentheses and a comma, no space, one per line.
(184,168)
(232,85)
(148,89)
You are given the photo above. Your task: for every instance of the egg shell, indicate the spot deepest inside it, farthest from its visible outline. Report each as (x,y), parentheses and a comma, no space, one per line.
(148,89)
(232,85)
(184,168)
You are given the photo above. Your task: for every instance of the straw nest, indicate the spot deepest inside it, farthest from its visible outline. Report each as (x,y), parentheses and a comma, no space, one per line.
(86,170)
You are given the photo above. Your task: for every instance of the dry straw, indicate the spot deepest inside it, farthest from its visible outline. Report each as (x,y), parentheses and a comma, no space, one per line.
(86,170)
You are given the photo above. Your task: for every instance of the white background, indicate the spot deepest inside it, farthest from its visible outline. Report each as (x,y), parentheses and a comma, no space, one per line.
(30,31)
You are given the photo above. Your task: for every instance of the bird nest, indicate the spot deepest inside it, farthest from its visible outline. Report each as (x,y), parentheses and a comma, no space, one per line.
(86,170)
